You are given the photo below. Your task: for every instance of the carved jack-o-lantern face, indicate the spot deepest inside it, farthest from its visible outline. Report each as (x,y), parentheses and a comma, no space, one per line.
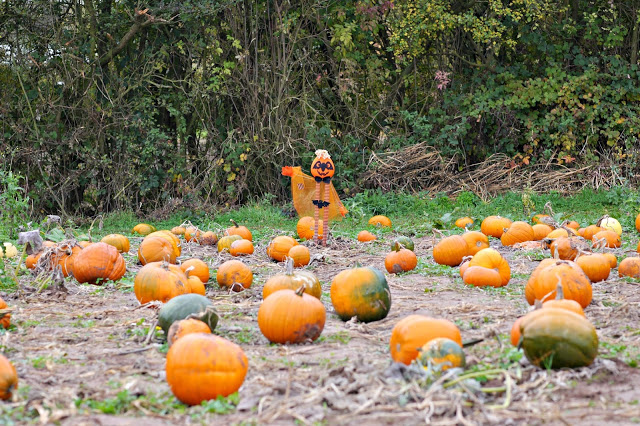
(322,167)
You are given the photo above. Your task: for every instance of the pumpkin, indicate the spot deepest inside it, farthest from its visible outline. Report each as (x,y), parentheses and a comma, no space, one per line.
(558,338)
(156,249)
(241,248)
(322,166)
(590,231)
(186,326)
(187,305)
(84,244)
(293,280)
(143,229)
(492,259)
(400,261)
(167,235)
(160,281)
(288,316)
(66,259)
(494,226)
(305,228)
(242,231)
(31,260)
(573,225)
(178,230)
(450,250)
(366,236)
(8,251)
(99,261)
(465,265)
(540,219)
(402,242)
(558,233)
(202,367)
(192,234)
(596,266)
(613,260)
(611,224)
(515,332)
(224,243)
(208,238)
(380,220)
(119,241)
(567,248)
(5,319)
(8,378)
(413,331)
(195,285)
(544,279)
(442,353)
(279,247)
(476,241)
(198,268)
(518,232)
(464,222)
(540,231)
(300,255)
(362,293)
(234,275)
(479,276)
(606,238)
(629,267)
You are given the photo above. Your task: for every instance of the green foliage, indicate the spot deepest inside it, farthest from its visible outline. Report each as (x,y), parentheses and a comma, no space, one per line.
(14,202)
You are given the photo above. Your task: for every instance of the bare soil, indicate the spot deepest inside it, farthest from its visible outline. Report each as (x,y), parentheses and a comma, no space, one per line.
(87,345)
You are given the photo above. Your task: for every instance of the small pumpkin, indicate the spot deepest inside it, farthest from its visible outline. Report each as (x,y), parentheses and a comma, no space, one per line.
(540,231)
(366,236)
(305,228)
(544,279)
(242,231)
(186,326)
(479,276)
(160,281)
(208,238)
(443,353)
(187,305)
(403,260)
(279,247)
(8,250)
(567,248)
(234,275)
(362,293)
(518,232)
(195,285)
(596,266)
(119,241)
(629,267)
(8,378)
(178,230)
(413,331)
(197,268)
(156,249)
(31,260)
(300,255)
(202,367)
(288,316)
(450,250)
(476,241)
(492,259)
(464,222)
(540,219)
(494,226)
(224,243)
(5,319)
(402,242)
(293,280)
(241,248)
(590,231)
(380,220)
(573,224)
(611,224)
(99,261)
(192,234)
(143,229)
(322,165)
(606,238)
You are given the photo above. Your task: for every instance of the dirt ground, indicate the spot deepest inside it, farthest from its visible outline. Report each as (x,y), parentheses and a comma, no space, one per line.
(73,350)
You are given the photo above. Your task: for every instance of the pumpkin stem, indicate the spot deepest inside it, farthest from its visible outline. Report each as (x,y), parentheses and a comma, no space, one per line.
(602,219)
(234,223)
(187,272)
(547,208)
(300,291)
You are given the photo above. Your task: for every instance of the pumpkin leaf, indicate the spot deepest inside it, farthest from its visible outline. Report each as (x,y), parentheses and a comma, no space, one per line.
(56,235)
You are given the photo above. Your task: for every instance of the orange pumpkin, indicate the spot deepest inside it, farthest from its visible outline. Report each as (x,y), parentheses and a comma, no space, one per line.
(494,226)
(195,285)
(99,261)
(638,223)
(242,231)
(518,232)
(119,241)
(573,225)
(241,248)
(305,228)
(402,260)
(224,243)
(31,260)
(450,250)
(366,236)
(540,219)
(596,266)
(492,259)
(322,166)
(479,276)
(156,249)
(464,222)
(590,231)
(293,280)
(198,268)
(234,275)
(629,267)
(84,244)
(178,230)
(544,279)
(8,378)
(5,320)
(183,327)
(606,238)
(143,229)
(613,260)
(202,367)
(300,255)
(567,248)
(362,293)
(173,240)
(288,316)
(160,281)
(540,231)
(192,234)
(208,238)
(476,241)
(380,220)
(279,247)
(413,331)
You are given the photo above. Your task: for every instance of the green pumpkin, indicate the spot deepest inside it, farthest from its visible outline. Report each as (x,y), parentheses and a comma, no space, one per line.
(402,242)
(558,338)
(362,293)
(180,307)
(443,353)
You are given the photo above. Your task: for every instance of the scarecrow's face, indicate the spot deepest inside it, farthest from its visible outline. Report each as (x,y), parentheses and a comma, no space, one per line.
(322,167)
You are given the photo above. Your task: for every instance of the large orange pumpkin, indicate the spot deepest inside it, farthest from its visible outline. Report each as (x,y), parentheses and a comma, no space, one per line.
(198,268)
(195,285)
(362,293)
(494,226)
(479,276)
(305,228)
(518,232)
(99,261)
(156,249)
(450,250)
(540,231)
(606,238)
(160,281)
(402,260)
(596,266)
(169,236)
(476,241)
(492,259)
(413,331)
(366,236)
(279,247)
(208,238)
(241,248)
(300,255)
(192,234)
(202,367)
(143,229)
(235,275)
(629,267)
(544,279)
